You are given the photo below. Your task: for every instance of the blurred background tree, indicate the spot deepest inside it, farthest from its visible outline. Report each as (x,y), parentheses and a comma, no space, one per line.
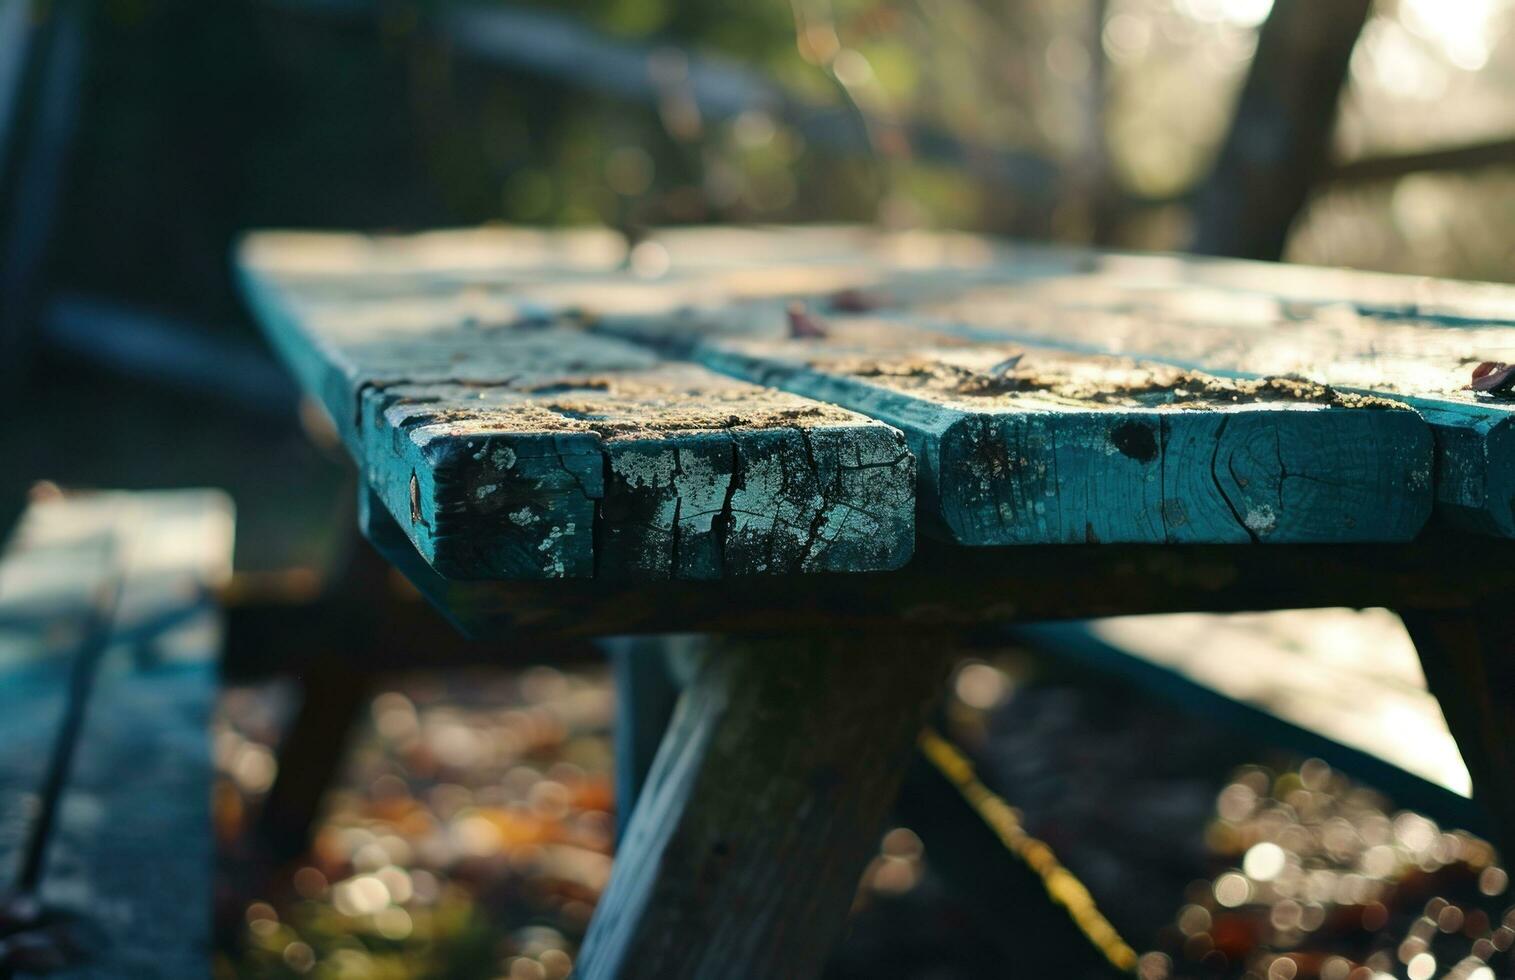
(1080,121)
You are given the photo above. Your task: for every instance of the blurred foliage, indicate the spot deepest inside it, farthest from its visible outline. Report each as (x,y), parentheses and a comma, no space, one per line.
(204,120)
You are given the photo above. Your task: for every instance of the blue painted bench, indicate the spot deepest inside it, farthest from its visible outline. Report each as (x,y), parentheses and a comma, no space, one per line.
(841,449)
(109,643)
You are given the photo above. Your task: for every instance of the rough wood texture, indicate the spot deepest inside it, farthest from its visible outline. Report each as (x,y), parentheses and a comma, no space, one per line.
(671,472)
(1413,339)
(763,805)
(1018,446)
(1405,339)
(1058,451)
(946,586)
(519,451)
(126,861)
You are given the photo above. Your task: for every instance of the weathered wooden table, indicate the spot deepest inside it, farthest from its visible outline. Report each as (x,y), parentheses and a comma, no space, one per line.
(849,446)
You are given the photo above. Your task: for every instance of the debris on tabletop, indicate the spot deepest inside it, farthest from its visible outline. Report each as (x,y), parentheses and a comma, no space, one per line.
(1493,378)
(804,325)
(856,300)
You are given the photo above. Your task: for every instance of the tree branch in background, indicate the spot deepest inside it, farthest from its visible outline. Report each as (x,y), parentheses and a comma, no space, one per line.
(1473,156)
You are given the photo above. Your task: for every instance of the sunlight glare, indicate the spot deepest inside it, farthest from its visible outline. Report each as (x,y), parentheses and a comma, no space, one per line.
(1461,30)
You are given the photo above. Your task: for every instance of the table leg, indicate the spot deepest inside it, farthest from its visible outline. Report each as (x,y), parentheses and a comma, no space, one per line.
(645,695)
(763,805)
(333,695)
(1468,656)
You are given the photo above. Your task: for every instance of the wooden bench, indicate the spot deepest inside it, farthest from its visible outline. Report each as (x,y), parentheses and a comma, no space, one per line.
(109,640)
(850,447)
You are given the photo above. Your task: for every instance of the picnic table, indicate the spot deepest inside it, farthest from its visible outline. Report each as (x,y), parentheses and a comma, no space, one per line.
(839,449)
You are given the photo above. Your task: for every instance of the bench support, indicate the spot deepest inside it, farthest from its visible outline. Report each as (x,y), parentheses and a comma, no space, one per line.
(645,696)
(1468,655)
(762,807)
(332,698)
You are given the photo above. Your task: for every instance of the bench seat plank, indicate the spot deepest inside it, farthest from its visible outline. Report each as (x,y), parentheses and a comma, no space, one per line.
(50,573)
(508,449)
(1345,675)
(129,856)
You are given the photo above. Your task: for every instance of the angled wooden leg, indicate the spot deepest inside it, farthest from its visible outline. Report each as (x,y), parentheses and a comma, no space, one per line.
(1468,655)
(762,808)
(333,696)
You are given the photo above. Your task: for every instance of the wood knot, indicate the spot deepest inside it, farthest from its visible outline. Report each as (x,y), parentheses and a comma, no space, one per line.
(1135,441)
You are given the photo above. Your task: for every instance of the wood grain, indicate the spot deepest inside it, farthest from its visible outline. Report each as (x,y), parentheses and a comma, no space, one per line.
(1037,446)
(950,586)
(765,801)
(520,451)
(1081,451)
(1411,339)
(1397,339)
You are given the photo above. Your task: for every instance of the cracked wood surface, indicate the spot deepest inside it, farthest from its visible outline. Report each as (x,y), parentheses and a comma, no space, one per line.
(1416,343)
(949,586)
(1113,451)
(1413,339)
(1033,446)
(518,450)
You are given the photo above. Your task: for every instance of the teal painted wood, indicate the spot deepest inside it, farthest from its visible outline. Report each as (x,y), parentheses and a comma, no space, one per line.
(134,853)
(1409,338)
(684,289)
(645,695)
(129,858)
(49,574)
(673,472)
(506,448)
(1084,449)
(1414,340)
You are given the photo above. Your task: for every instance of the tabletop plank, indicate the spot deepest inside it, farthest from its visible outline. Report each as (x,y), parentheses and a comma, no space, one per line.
(1417,343)
(1409,338)
(510,449)
(1020,445)
(1034,457)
